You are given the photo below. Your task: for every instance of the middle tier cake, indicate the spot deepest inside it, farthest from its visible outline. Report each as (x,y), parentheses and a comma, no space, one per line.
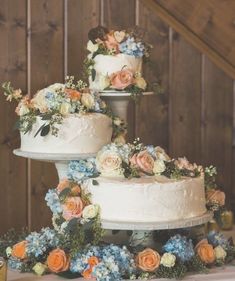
(149,199)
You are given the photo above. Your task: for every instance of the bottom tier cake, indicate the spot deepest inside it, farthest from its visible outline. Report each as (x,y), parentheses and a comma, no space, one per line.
(148,199)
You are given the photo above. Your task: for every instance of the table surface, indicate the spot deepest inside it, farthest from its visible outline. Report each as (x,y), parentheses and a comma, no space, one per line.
(226,273)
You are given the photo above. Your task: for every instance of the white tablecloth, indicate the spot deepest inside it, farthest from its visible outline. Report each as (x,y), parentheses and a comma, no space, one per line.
(216,274)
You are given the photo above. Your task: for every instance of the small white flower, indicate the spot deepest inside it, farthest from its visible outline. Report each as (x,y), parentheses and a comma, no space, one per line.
(168,260)
(23,110)
(90,211)
(159,167)
(39,268)
(220,253)
(92,47)
(8,251)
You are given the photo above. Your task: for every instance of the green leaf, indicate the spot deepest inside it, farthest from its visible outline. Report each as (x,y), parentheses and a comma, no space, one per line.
(40,129)
(73,223)
(17,125)
(93,74)
(69,275)
(65,192)
(45,130)
(95,182)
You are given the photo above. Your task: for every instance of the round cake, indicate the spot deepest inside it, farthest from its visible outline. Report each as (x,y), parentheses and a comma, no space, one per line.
(106,65)
(78,133)
(149,199)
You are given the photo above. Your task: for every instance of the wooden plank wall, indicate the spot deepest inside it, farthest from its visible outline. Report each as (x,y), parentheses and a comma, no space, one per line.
(42,41)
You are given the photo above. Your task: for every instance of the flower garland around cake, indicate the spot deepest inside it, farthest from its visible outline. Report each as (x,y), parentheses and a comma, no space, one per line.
(56,102)
(115,43)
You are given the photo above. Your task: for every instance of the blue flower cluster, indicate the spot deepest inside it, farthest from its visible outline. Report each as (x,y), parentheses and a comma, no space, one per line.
(132,48)
(114,262)
(218,239)
(81,170)
(38,243)
(15,264)
(53,201)
(180,246)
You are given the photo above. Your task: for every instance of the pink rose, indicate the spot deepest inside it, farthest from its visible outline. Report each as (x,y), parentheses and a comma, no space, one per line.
(144,161)
(111,43)
(215,196)
(72,208)
(121,79)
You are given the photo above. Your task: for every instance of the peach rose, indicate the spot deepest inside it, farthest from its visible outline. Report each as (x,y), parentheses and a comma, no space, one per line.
(205,251)
(19,250)
(62,185)
(73,94)
(121,79)
(215,196)
(111,43)
(72,208)
(92,261)
(144,161)
(148,260)
(58,261)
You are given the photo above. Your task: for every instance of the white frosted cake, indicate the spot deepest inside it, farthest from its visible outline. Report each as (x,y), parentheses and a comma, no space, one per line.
(107,65)
(149,199)
(115,60)
(85,133)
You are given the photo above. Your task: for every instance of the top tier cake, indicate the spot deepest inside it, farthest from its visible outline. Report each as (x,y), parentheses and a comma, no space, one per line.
(115,59)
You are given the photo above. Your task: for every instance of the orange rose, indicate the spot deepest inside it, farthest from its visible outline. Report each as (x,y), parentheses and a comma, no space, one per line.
(111,43)
(72,208)
(62,185)
(144,161)
(57,261)
(19,250)
(215,196)
(87,274)
(92,261)
(205,251)
(73,94)
(148,260)
(121,79)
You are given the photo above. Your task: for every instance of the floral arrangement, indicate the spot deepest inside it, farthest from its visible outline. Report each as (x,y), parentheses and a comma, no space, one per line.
(47,251)
(109,42)
(56,102)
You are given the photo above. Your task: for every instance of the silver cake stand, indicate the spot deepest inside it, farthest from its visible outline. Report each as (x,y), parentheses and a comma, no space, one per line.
(118,101)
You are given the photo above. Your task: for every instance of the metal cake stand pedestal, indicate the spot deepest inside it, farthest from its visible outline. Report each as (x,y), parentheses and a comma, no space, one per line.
(143,233)
(118,101)
(61,160)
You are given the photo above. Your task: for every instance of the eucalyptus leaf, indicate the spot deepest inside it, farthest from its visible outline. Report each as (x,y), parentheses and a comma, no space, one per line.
(17,125)
(45,130)
(39,130)
(95,182)
(93,74)
(73,223)
(65,192)
(69,275)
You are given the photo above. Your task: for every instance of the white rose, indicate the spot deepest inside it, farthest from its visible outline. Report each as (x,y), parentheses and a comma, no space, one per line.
(56,87)
(109,164)
(168,260)
(159,167)
(103,82)
(117,121)
(161,154)
(88,100)
(65,108)
(23,110)
(39,101)
(220,253)
(92,47)
(140,82)
(120,139)
(90,211)
(40,268)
